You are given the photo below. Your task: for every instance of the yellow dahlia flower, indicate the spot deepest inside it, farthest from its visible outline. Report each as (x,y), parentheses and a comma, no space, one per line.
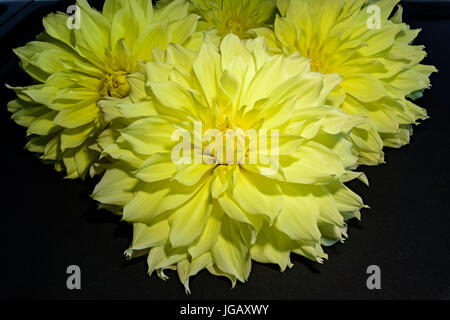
(276,187)
(76,67)
(236,16)
(372,53)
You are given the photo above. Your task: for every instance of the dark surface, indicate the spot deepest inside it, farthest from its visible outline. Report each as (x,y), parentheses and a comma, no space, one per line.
(49,223)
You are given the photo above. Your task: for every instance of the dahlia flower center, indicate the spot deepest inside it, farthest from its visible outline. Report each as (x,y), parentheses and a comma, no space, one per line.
(231,145)
(317,62)
(236,24)
(317,65)
(116,85)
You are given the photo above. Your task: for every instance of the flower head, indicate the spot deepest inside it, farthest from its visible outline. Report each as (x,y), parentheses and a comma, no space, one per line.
(236,16)
(373,54)
(241,159)
(78,69)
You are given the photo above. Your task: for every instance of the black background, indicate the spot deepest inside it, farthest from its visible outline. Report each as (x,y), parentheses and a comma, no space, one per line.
(48,223)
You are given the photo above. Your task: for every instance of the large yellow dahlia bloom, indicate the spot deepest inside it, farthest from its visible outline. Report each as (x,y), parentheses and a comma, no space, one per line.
(373,54)
(214,207)
(79,68)
(236,16)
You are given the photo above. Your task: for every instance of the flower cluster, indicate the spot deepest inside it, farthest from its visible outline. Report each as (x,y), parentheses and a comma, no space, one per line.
(225,131)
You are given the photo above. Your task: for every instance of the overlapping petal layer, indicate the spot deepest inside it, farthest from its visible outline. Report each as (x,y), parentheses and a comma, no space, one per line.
(76,68)
(220,214)
(373,53)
